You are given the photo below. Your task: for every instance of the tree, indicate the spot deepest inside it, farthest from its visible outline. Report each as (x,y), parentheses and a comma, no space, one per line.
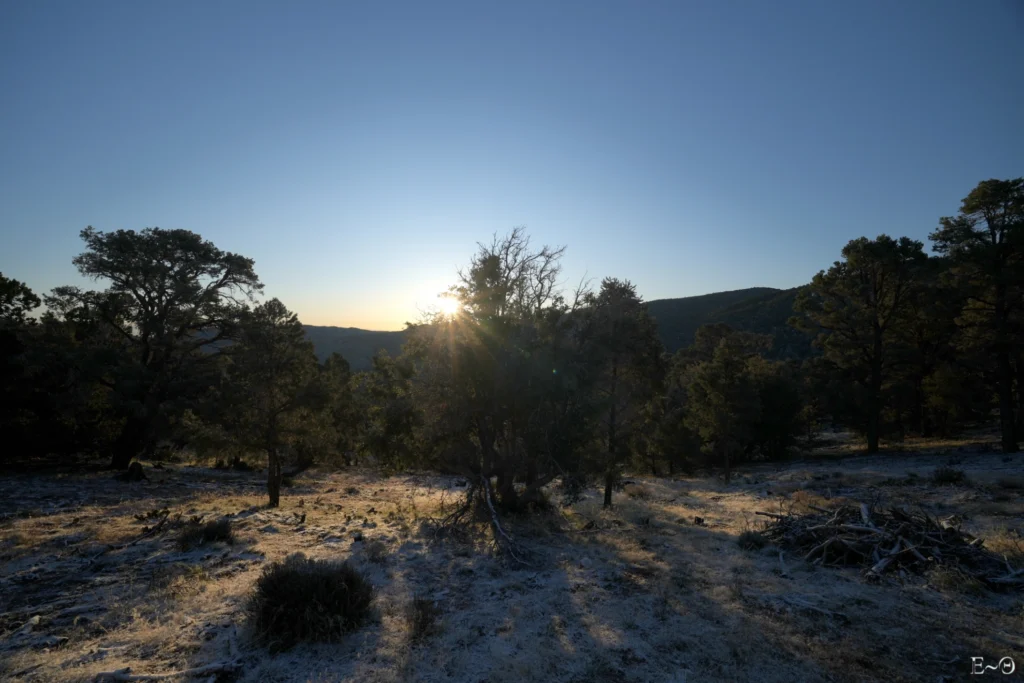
(389,415)
(622,343)
(724,402)
(492,380)
(927,338)
(664,436)
(16,301)
(857,306)
(172,296)
(985,243)
(272,386)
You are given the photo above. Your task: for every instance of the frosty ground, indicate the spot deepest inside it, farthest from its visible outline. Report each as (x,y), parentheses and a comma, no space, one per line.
(655,589)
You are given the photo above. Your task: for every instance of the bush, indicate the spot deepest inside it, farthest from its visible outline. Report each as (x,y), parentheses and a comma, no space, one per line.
(752,540)
(572,488)
(376,552)
(422,618)
(948,476)
(287,482)
(1012,483)
(303,599)
(195,534)
(636,491)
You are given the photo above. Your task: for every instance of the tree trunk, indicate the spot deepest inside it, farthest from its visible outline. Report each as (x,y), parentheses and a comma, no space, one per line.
(1007,421)
(273,477)
(875,392)
(728,470)
(920,421)
(130,443)
(609,477)
(1020,395)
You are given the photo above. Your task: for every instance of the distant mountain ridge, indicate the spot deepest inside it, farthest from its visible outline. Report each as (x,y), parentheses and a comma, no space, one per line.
(356,345)
(764,310)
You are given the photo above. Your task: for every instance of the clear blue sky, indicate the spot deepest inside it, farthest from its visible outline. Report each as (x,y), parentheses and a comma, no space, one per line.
(358,150)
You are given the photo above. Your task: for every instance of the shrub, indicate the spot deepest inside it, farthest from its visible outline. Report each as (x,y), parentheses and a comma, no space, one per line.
(195,533)
(948,476)
(422,618)
(752,540)
(376,552)
(636,491)
(304,599)
(572,488)
(1012,483)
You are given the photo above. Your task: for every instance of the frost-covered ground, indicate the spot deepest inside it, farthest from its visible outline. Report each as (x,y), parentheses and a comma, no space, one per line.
(638,593)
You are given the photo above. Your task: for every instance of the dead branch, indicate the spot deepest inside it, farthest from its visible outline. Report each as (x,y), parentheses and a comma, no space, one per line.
(126,674)
(889,541)
(155,529)
(502,538)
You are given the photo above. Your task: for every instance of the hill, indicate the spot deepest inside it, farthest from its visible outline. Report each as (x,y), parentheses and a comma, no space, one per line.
(678,319)
(356,345)
(758,309)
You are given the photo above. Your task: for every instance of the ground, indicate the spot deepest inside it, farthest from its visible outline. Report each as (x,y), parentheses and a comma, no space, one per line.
(643,592)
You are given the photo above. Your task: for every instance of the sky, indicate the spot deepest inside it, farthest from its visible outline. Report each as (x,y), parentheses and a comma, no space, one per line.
(358,151)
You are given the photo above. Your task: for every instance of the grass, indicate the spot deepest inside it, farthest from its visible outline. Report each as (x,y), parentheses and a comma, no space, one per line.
(376,552)
(636,491)
(948,476)
(308,600)
(752,540)
(193,535)
(1011,483)
(422,618)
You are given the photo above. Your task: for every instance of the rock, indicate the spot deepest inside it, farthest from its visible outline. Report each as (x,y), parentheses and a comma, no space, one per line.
(586,562)
(270,529)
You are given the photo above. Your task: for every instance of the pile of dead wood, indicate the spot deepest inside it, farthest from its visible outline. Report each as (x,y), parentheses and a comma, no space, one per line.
(892,541)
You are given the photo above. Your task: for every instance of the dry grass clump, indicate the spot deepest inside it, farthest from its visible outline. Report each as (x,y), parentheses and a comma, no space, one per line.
(752,540)
(303,599)
(948,476)
(422,616)
(951,580)
(1011,483)
(376,552)
(181,580)
(195,534)
(636,491)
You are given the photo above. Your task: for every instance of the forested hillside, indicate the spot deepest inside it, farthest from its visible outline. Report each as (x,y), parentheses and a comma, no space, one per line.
(763,310)
(678,319)
(356,345)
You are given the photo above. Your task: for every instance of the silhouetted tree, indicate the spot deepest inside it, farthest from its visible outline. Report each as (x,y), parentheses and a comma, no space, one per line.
(985,244)
(857,306)
(724,404)
(622,345)
(170,294)
(272,386)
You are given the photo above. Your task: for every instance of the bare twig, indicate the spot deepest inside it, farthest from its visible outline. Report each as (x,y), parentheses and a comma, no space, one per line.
(126,674)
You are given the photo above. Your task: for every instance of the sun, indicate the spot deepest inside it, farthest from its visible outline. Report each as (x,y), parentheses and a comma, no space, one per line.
(448,305)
